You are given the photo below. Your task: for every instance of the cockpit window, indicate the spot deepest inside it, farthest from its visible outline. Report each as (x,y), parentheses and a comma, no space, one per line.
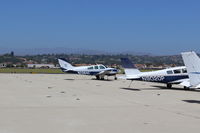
(102,67)
(170,72)
(90,68)
(177,71)
(96,67)
(184,70)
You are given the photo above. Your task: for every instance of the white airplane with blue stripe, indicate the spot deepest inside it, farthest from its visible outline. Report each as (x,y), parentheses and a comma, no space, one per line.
(100,71)
(169,76)
(192,63)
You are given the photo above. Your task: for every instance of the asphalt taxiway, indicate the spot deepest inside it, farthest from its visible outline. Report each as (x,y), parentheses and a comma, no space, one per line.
(58,103)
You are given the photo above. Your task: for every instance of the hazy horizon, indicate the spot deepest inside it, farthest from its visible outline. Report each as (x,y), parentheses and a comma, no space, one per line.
(59,50)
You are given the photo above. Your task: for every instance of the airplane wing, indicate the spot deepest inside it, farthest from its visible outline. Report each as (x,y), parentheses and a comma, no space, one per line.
(182,82)
(188,84)
(198,86)
(103,72)
(185,82)
(107,71)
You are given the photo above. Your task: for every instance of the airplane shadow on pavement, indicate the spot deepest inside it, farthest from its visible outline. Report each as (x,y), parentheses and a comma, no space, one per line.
(102,79)
(192,101)
(69,79)
(89,79)
(157,87)
(175,88)
(131,89)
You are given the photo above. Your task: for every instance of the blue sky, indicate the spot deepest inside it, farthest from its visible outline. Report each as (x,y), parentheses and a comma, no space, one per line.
(147,26)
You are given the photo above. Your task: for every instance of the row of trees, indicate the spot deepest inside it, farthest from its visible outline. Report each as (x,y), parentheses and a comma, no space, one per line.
(91,59)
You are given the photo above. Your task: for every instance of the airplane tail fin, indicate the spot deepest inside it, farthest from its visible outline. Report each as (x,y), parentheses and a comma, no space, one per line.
(64,65)
(192,63)
(129,67)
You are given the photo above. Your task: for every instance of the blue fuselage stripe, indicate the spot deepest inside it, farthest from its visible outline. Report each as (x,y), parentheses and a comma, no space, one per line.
(195,72)
(162,79)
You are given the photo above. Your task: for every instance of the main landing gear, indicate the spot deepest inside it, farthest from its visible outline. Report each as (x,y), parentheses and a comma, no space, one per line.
(187,88)
(169,86)
(99,77)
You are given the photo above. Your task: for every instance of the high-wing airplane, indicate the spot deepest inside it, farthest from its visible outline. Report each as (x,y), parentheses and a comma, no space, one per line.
(192,63)
(100,71)
(169,76)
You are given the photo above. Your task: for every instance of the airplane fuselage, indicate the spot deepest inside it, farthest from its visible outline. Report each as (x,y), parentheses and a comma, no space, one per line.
(97,70)
(94,70)
(172,75)
(90,70)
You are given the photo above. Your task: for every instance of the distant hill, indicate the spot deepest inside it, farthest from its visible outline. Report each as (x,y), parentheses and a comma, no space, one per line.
(76,56)
(36,51)
(93,59)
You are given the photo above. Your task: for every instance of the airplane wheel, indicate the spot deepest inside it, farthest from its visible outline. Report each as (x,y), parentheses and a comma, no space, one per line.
(186,88)
(115,78)
(169,86)
(102,78)
(98,78)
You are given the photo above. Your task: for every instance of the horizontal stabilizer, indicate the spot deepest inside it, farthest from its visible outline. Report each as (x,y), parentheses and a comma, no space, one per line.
(129,67)
(132,77)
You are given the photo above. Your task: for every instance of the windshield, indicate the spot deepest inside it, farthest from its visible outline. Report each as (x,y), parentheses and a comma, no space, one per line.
(102,67)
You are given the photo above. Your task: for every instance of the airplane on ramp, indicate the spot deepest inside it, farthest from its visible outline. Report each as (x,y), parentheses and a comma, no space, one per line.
(169,76)
(192,63)
(100,71)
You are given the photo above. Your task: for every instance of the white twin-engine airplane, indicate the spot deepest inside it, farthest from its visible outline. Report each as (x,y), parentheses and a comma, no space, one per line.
(169,76)
(192,62)
(100,71)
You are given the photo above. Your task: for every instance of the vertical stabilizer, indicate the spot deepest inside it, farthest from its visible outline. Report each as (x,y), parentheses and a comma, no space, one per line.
(192,63)
(64,65)
(129,67)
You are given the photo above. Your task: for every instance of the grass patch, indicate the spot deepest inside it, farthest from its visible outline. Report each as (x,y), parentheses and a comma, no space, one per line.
(26,70)
(42,70)
(147,70)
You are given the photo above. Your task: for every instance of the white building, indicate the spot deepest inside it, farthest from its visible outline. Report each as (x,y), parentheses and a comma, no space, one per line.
(2,65)
(41,65)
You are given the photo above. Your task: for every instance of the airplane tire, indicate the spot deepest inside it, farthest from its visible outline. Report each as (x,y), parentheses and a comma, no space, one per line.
(98,77)
(115,78)
(102,78)
(186,88)
(169,86)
